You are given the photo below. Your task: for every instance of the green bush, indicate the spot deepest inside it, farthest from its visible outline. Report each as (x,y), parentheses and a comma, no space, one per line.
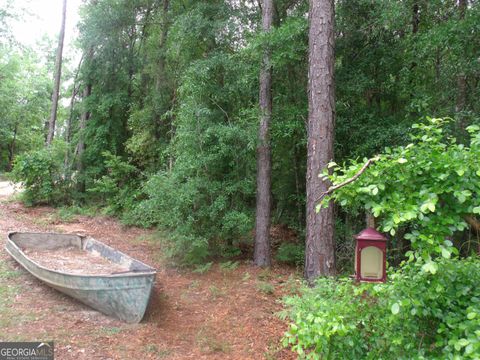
(42,174)
(118,188)
(417,314)
(201,217)
(427,187)
(290,253)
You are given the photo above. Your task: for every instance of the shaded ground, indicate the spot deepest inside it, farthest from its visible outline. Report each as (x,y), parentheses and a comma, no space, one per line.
(227,313)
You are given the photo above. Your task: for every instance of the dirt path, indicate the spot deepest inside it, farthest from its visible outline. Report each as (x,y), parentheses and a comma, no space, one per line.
(7,189)
(227,313)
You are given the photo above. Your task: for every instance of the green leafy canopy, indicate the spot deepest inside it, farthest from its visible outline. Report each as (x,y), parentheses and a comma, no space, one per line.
(428,186)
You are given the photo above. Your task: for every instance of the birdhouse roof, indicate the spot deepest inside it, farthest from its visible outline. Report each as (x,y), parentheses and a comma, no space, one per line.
(370,234)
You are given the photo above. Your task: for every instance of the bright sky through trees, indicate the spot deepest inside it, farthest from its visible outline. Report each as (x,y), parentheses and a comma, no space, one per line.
(42,17)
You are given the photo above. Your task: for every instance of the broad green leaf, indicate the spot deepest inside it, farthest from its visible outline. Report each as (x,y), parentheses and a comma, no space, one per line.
(471,315)
(463,342)
(395,309)
(473,128)
(445,253)
(430,267)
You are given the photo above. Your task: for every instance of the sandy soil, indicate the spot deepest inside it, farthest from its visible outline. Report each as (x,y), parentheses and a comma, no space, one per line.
(7,188)
(222,314)
(74,261)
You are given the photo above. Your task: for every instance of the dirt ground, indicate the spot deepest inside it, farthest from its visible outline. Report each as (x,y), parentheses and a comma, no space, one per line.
(229,312)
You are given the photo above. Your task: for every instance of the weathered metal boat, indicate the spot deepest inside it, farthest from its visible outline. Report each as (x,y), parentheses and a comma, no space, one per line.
(123,294)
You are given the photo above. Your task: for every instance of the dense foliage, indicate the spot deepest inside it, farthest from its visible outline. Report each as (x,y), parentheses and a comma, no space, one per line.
(164,110)
(42,174)
(417,315)
(161,132)
(426,188)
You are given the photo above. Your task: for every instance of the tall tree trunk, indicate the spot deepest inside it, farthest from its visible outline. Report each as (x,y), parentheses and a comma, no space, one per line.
(58,75)
(11,148)
(415,17)
(461,83)
(81,141)
(261,256)
(161,76)
(68,131)
(320,250)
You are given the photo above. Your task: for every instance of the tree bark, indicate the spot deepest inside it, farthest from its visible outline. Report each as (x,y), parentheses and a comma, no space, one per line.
(81,140)
(161,76)
(58,75)
(461,83)
(261,256)
(11,149)
(475,226)
(319,249)
(415,18)
(68,131)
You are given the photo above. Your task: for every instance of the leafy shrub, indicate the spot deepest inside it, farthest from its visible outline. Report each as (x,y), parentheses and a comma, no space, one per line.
(199,215)
(417,314)
(428,186)
(265,287)
(42,174)
(203,268)
(118,188)
(290,253)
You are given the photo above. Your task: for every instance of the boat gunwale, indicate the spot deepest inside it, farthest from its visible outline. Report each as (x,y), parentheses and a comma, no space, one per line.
(153,271)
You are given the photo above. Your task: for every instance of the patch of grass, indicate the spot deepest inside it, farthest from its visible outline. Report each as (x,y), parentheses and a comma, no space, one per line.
(153,238)
(194,284)
(246,276)
(6,299)
(105,330)
(9,287)
(228,266)
(216,292)
(40,221)
(265,274)
(272,351)
(202,269)
(153,349)
(265,288)
(69,213)
(292,285)
(16,197)
(7,274)
(65,215)
(15,337)
(208,342)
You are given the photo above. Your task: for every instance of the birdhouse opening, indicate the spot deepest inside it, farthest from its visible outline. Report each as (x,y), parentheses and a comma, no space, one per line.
(372,263)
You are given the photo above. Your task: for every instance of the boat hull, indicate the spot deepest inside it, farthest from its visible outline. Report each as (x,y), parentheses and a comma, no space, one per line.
(122,295)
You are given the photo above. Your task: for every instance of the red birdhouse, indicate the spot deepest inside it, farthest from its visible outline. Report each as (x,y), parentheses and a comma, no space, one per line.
(370,256)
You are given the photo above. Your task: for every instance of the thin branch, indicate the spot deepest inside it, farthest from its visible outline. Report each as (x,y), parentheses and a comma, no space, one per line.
(331,189)
(221,109)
